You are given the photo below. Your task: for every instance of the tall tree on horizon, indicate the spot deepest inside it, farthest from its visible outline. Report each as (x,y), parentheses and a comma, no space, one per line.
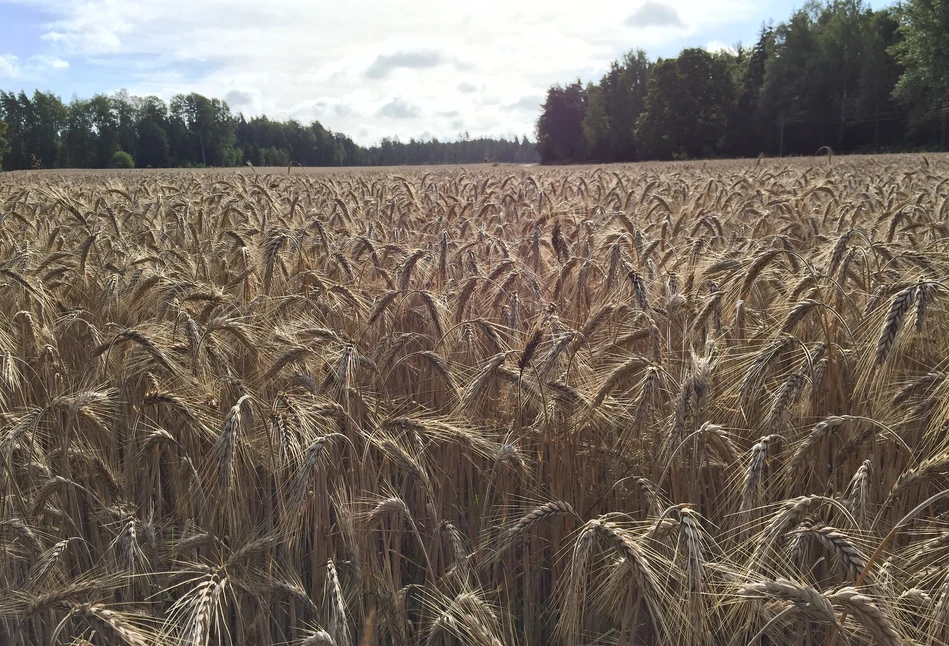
(879,75)
(624,88)
(924,53)
(596,125)
(210,127)
(34,128)
(747,134)
(560,127)
(687,106)
(4,144)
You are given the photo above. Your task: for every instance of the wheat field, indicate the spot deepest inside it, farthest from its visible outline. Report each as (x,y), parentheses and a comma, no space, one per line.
(693,403)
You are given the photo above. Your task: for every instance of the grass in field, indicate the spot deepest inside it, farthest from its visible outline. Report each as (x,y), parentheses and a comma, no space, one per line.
(684,404)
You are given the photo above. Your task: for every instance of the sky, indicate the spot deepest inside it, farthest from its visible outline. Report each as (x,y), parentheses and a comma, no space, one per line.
(366,68)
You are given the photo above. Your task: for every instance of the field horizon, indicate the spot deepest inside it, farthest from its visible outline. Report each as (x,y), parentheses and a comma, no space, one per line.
(815,160)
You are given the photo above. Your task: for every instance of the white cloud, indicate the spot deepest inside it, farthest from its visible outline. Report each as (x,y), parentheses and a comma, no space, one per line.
(367,68)
(33,68)
(386,64)
(241,99)
(716,46)
(9,66)
(399,108)
(655,14)
(530,103)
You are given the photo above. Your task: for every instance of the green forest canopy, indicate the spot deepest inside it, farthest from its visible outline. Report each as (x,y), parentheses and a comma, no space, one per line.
(193,131)
(834,74)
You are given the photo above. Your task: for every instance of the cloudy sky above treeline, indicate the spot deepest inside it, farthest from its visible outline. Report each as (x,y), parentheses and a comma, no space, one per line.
(369,69)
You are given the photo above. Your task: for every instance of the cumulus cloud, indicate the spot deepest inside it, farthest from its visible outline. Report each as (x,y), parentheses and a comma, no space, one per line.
(332,108)
(529,103)
(344,110)
(33,68)
(717,47)
(237,99)
(9,66)
(467,88)
(385,64)
(654,14)
(399,108)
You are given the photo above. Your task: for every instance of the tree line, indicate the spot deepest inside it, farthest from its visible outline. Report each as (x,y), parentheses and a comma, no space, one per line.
(120,130)
(835,74)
